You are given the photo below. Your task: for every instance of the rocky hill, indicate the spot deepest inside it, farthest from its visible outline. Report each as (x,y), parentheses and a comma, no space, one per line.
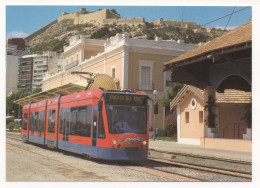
(55,35)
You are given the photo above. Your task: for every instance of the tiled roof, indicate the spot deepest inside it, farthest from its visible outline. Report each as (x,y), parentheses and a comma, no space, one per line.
(235,37)
(229,96)
(185,90)
(234,96)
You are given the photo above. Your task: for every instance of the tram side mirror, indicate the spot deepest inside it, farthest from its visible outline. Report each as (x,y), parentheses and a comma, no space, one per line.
(155,108)
(100,105)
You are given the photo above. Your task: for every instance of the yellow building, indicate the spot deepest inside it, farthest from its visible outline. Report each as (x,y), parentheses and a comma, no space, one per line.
(133,63)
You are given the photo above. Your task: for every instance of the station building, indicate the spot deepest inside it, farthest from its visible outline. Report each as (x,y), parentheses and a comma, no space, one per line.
(222,70)
(134,64)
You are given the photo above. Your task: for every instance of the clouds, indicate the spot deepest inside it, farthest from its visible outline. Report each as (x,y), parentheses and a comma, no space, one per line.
(17,34)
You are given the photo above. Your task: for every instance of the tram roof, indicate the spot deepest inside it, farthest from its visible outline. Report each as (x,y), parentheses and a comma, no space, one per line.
(61,90)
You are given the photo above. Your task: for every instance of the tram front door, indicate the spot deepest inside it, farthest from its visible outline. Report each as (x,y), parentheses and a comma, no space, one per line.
(94,125)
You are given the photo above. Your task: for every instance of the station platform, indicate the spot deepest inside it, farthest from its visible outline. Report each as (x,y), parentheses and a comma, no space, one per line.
(167,149)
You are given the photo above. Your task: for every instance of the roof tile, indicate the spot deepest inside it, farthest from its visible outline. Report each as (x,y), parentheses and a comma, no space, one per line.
(237,36)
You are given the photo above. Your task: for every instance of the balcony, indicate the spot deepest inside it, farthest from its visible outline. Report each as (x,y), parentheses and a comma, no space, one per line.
(25,65)
(42,67)
(71,65)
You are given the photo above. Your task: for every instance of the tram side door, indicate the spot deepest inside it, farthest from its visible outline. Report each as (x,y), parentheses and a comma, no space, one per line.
(94,125)
(65,133)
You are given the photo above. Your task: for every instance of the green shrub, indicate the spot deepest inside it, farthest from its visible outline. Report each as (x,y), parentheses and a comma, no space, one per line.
(170,123)
(12,125)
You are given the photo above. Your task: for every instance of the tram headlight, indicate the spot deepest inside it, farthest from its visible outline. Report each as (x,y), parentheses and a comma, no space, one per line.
(114,142)
(144,143)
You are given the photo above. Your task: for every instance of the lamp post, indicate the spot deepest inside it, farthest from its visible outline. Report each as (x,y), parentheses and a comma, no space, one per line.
(155,92)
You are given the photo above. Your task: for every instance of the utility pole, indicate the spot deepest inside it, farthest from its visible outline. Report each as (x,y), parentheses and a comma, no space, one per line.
(182,25)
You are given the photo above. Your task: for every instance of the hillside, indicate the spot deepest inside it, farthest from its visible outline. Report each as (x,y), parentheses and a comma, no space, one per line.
(54,36)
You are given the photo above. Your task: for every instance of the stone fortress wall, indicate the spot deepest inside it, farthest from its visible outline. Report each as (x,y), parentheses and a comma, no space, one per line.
(103,16)
(186,24)
(128,21)
(175,23)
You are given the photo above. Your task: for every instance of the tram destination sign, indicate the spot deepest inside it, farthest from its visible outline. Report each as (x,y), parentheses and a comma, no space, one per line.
(114,98)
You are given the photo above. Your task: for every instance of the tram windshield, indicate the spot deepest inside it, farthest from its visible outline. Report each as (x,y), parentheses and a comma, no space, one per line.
(127,118)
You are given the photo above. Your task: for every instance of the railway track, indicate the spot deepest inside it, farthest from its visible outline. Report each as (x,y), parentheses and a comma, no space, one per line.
(206,169)
(136,167)
(174,171)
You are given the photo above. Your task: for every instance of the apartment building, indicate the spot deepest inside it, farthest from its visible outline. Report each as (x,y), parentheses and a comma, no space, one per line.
(15,48)
(25,73)
(32,69)
(49,62)
(133,63)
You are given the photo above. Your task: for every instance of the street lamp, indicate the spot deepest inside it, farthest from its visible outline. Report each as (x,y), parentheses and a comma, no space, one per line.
(155,92)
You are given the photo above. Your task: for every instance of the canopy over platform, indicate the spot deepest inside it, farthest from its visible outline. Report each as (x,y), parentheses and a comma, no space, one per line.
(98,81)
(223,63)
(61,90)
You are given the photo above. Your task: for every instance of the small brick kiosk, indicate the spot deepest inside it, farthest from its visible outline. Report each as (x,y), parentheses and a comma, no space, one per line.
(230,107)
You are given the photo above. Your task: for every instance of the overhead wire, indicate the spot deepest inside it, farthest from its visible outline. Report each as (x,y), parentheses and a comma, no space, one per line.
(229,19)
(225,16)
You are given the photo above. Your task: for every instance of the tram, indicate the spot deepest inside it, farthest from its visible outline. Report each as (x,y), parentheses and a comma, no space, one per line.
(102,124)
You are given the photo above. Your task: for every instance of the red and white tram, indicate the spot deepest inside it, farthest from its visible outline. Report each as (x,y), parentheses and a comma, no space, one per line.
(101,124)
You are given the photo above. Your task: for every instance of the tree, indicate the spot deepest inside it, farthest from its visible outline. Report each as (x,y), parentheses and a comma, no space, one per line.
(11,107)
(171,93)
(247,117)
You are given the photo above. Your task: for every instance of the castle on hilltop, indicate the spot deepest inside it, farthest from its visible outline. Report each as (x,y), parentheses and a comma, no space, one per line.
(104,16)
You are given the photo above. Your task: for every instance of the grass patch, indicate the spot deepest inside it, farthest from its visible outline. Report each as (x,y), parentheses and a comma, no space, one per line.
(13,132)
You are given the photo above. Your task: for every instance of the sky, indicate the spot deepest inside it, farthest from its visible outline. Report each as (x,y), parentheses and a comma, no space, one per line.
(33,18)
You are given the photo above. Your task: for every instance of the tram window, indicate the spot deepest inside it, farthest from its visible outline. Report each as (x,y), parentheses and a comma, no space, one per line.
(31,128)
(101,130)
(73,120)
(83,122)
(80,121)
(25,121)
(51,122)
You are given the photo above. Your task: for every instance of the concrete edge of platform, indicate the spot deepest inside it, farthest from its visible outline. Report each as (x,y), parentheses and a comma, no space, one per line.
(170,154)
